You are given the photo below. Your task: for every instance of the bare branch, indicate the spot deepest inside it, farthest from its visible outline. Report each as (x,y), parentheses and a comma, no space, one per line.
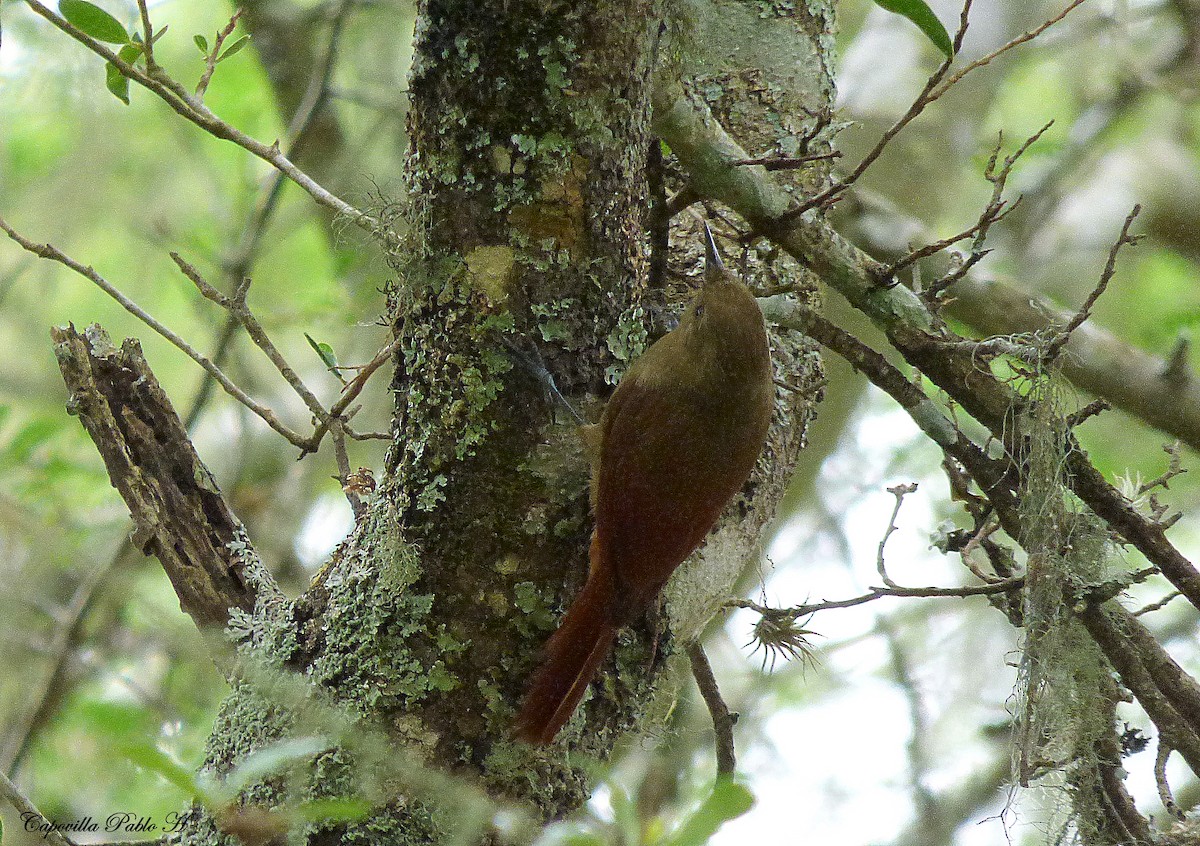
(337,433)
(188,107)
(237,306)
(993,212)
(1110,267)
(367,436)
(936,86)
(1089,411)
(994,478)
(1095,359)
(148,36)
(352,389)
(830,194)
(49,251)
(1000,51)
(1160,779)
(986,530)
(1157,606)
(723,721)
(1174,468)
(16,798)
(990,215)
(179,514)
(899,492)
(798,611)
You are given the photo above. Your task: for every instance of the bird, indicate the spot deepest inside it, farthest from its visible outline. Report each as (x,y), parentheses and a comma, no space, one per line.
(676,441)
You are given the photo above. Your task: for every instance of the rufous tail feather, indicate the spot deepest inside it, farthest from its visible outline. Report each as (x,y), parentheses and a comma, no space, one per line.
(572,657)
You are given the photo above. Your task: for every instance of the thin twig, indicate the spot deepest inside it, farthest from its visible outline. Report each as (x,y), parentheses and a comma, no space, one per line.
(210,60)
(1157,606)
(937,85)
(1174,468)
(999,51)
(1089,411)
(147,36)
(352,389)
(723,721)
(993,212)
(798,611)
(989,217)
(191,109)
(238,307)
(787,162)
(1060,340)
(1160,780)
(237,264)
(49,251)
(923,99)
(28,812)
(988,528)
(337,434)
(898,491)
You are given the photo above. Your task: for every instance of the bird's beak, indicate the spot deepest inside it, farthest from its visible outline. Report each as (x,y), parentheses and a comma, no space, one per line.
(714,268)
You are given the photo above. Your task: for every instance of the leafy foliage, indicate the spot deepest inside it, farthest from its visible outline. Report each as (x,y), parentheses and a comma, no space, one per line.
(919,13)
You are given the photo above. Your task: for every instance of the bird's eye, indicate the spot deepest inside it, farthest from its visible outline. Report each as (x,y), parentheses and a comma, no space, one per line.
(699,312)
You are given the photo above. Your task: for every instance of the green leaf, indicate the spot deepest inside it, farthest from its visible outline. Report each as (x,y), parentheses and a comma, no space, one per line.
(728,800)
(94,21)
(118,721)
(324,351)
(920,14)
(234,48)
(156,760)
(131,52)
(202,43)
(262,762)
(584,838)
(333,810)
(114,80)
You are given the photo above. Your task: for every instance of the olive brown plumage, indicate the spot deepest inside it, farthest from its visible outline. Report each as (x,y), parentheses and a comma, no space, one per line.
(677,440)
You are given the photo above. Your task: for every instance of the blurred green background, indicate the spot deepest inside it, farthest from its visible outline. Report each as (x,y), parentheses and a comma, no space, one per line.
(897,735)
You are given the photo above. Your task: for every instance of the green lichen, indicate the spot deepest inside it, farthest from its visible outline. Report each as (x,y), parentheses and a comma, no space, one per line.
(382,643)
(626,341)
(1066,689)
(455,371)
(494,699)
(776,8)
(550,323)
(491,272)
(399,565)
(530,601)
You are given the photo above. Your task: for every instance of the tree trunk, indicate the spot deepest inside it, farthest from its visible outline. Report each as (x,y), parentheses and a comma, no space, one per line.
(527,276)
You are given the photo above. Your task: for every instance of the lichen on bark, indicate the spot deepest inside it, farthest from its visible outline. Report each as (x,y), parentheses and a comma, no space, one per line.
(526,265)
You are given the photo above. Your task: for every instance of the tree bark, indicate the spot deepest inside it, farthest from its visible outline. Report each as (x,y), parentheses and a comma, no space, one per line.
(178,513)
(527,266)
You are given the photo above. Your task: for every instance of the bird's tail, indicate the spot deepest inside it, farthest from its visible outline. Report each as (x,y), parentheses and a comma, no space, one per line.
(572,656)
